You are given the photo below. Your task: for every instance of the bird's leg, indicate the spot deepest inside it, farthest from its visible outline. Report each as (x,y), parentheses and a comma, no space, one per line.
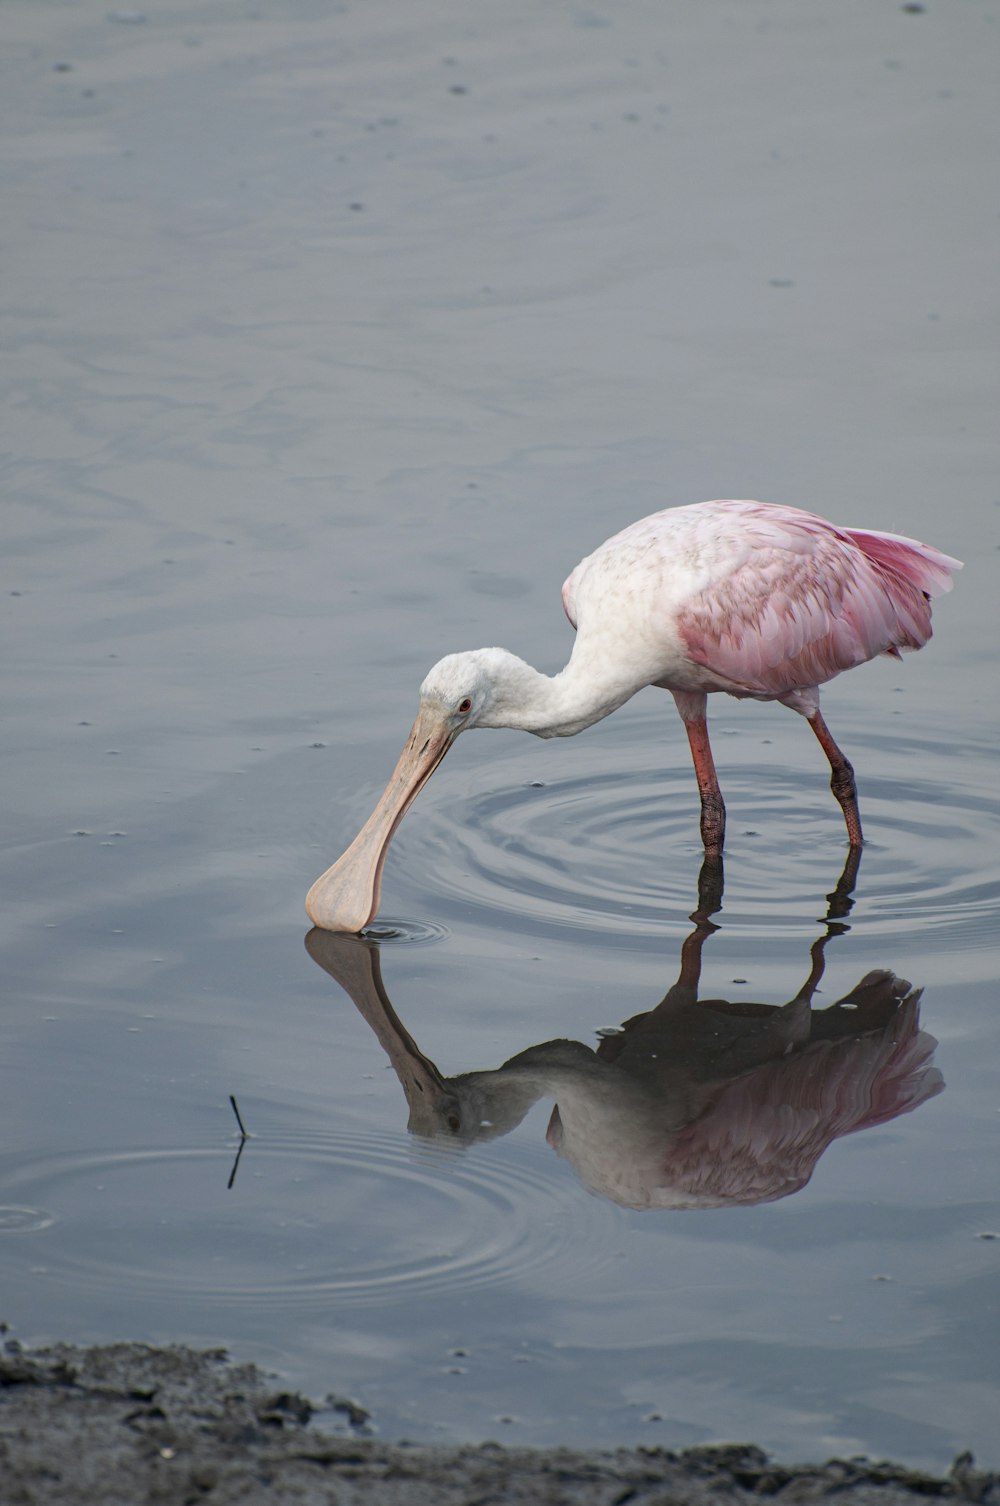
(841,778)
(713,811)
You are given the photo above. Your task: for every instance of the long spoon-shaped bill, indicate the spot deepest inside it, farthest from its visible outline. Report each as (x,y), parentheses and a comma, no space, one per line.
(346,896)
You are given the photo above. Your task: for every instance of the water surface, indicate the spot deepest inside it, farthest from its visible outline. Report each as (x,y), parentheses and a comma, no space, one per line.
(335,336)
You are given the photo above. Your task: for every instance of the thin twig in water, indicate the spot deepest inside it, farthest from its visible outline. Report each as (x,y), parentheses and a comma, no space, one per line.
(244,1137)
(239,1121)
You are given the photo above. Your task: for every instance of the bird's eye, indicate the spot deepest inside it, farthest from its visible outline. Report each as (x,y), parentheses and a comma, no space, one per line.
(465,704)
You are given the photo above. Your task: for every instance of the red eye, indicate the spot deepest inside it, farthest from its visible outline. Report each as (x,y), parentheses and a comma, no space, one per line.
(465,705)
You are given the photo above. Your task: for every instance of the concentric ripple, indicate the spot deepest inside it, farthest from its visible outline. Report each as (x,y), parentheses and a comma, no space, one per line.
(389,932)
(350,1218)
(585,851)
(613,847)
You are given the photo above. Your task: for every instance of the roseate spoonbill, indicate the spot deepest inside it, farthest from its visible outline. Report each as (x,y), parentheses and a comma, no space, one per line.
(750,598)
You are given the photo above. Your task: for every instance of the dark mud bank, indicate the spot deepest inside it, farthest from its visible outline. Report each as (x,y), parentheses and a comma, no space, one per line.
(124,1424)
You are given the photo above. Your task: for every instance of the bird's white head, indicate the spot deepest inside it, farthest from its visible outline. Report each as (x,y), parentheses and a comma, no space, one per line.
(483,687)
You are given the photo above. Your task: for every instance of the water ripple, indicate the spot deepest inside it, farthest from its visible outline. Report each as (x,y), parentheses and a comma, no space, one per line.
(390,932)
(354,1218)
(24,1220)
(614,850)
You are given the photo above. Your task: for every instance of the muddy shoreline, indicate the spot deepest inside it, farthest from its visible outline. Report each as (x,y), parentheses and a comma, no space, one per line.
(126,1424)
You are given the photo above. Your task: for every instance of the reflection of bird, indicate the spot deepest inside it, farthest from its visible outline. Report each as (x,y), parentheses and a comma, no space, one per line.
(746,1133)
(693,1104)
(758,601)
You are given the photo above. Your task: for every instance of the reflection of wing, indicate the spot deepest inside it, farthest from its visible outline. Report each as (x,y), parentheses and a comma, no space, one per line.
(762,1135)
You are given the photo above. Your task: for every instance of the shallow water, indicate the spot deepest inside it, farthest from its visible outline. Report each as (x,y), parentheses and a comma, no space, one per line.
(273,454)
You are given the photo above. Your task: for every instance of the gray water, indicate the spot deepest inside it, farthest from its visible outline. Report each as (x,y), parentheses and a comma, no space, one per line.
(334,335)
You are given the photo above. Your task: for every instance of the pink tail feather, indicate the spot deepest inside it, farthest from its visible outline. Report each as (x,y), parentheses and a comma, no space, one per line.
(920,565)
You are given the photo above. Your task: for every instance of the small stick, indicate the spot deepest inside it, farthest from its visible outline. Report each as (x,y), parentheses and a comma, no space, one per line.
(243,1140)
(239,1121)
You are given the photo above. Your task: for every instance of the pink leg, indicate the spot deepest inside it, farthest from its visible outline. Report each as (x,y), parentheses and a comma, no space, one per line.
(841,779)
(713,810)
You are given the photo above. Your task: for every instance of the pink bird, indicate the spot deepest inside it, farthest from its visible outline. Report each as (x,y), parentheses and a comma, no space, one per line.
(760,601)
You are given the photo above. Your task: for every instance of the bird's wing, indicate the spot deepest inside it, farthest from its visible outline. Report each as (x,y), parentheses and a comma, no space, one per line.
(804,602)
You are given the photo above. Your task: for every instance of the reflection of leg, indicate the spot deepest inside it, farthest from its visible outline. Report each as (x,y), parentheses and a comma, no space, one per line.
(690,973)
(685,991)
(841,778)
(713,810)
(841,899)
(839,904)
(711,881)
(818,960)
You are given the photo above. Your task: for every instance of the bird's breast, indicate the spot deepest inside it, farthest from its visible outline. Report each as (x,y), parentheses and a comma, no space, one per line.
(627,604)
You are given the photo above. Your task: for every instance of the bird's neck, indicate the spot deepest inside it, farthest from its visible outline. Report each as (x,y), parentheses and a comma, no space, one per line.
(587,690)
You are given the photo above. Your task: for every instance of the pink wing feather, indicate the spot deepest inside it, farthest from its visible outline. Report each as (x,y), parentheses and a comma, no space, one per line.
(809,600)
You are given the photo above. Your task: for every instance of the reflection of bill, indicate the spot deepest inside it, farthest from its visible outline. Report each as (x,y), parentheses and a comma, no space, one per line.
(697,1103)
